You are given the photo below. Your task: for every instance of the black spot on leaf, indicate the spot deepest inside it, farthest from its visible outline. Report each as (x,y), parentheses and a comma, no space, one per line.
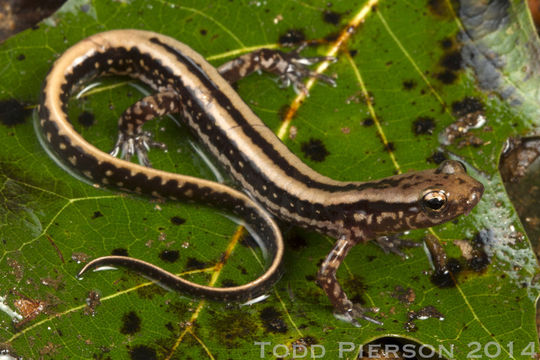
(131,323)
(169,255)
(148,292)
(193,263)
(142,352)
(423,125)
(446,77)
(119,252)
(315,150)
(480,259)
(439,8)
(97,214)
(447,43)
(466,106)
(452,61)
(169,326)
(176,220)
(479,262)
(331,37)
(390,146)
(86,119)
(331,17)
(356,289)
(368,122)
(409,84)
(12,112)
(272,320)
(234,327)
(437,157)
(296,241)
(21,57)
(292,36)
(445,277)
(228,283)
(307,340)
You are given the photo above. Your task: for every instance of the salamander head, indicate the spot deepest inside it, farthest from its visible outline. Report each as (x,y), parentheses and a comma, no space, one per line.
(419,199)
(458,194)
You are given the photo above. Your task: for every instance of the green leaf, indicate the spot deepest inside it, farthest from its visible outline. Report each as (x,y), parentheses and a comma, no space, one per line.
(399,63)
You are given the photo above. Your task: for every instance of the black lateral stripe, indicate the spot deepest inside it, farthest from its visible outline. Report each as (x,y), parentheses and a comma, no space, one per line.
(87,70)
(249,130)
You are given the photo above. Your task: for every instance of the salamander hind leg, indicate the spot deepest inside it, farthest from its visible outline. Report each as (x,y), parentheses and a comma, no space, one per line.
(132,140)
(326,277)
(291,68)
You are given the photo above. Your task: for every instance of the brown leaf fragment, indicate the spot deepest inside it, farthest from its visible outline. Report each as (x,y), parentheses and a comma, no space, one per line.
(16,269)
(79,257)
(49,349)
(92,301)
(29,309)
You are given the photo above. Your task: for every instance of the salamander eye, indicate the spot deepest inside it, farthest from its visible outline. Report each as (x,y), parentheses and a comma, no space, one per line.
(434,200)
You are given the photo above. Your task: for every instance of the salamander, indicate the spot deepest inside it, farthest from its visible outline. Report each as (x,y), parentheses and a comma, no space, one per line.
(273,180)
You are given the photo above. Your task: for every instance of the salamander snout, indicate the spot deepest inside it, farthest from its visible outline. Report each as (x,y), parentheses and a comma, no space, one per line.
(474,197)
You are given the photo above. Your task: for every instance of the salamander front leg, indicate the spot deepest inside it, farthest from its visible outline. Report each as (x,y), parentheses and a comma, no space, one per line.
(291,67)
(344,308)
(132,140)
